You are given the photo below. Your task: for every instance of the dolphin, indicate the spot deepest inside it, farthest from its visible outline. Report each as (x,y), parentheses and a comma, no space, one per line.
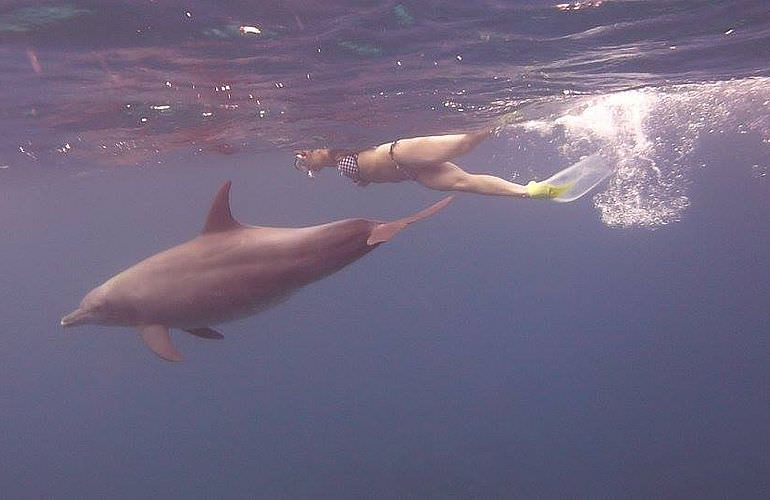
(227,272)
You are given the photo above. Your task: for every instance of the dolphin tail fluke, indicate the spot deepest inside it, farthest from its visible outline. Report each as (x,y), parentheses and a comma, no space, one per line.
(385,231)
(158,340)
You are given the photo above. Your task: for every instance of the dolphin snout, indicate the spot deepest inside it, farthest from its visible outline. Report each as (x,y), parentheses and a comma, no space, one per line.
(75,318)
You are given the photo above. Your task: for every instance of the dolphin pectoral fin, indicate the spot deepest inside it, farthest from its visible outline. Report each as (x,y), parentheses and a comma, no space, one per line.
(385,231)
(158,339)
(205,333)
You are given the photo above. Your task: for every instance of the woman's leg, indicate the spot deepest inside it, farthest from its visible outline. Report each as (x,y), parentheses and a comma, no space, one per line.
(449,177)
(437,148)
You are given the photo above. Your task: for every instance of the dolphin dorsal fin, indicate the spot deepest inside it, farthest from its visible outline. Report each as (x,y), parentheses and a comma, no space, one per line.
(220,218)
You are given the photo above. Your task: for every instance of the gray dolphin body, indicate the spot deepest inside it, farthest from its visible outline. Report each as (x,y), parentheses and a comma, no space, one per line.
(228,272)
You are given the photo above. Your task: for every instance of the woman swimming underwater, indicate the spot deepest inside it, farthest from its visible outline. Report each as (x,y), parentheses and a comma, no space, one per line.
(426,160)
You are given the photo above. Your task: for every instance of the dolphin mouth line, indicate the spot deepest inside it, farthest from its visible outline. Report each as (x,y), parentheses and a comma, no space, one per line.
(74,318)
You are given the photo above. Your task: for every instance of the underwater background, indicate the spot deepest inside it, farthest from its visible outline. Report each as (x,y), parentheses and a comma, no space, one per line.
(616,346)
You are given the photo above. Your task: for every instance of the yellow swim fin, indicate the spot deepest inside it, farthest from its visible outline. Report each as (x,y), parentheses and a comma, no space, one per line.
(546,190)
(572,182)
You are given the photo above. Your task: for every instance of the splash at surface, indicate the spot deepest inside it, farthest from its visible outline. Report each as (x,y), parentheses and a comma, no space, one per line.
(652,135)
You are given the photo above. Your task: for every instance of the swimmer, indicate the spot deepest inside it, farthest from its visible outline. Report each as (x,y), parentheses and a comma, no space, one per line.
(427,160)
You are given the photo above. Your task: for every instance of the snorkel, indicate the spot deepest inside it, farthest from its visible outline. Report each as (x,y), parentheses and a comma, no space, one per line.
(300,163)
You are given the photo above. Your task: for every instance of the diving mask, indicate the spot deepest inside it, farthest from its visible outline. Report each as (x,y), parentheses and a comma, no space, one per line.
(300,163)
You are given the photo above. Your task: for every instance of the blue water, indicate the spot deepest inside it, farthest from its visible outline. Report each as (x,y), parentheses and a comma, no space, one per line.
(611,347)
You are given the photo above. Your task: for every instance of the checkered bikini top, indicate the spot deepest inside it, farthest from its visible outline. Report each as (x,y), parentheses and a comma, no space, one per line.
(348,166)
